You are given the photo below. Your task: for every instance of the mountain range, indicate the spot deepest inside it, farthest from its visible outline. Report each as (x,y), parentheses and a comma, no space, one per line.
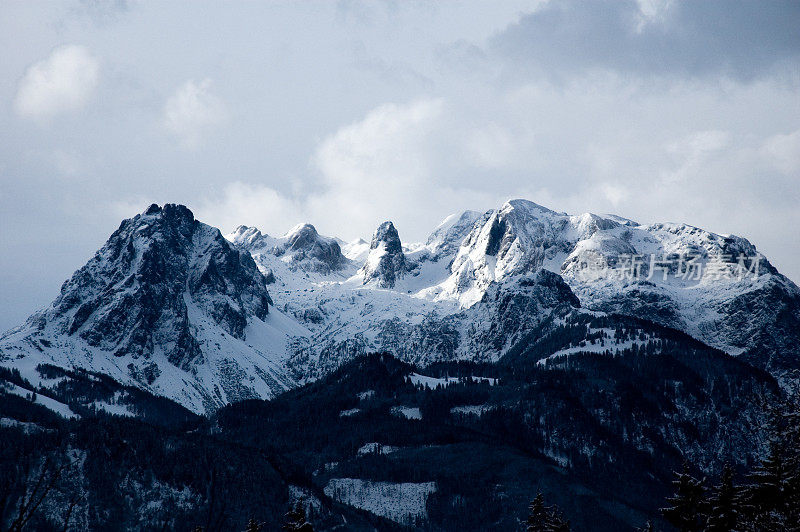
(589,351)
(171,305)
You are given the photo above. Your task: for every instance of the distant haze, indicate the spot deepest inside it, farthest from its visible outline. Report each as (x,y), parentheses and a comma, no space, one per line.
(345,114)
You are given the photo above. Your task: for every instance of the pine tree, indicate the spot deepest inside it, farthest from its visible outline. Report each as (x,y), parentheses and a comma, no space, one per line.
(723,506)
(296,520)
(542,518)
(687,507)
(538,515)
(772,497)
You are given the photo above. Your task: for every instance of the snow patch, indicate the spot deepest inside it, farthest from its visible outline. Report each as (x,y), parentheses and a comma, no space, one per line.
(376,448)
(51,404)
(403,503)
(407,412)
(423,381)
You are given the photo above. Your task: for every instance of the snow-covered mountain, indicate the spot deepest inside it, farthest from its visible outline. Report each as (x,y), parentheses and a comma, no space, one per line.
(386,262)
(717,288)
(170,305)
(167,304)
(445,298)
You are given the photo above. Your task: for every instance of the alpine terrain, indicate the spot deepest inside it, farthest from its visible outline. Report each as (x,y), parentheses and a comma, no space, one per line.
(390,385)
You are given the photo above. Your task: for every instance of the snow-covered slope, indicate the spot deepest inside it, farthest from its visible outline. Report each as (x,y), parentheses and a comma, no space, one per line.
(717,288)
(169,305)
(396,302)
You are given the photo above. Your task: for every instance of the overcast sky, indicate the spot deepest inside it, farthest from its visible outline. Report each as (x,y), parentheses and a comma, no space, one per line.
(345,114)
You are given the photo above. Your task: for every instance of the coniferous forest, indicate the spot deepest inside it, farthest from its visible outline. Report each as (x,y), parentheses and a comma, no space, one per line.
(582,446)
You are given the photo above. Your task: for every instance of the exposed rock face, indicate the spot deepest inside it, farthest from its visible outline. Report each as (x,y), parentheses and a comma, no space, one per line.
(447,238)
(386,261)
(304,244)
(131,297)
(167,292)
(507,313)
(156,293)
(301,249)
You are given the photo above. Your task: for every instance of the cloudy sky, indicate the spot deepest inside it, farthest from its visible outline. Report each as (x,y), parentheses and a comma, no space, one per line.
(344,114)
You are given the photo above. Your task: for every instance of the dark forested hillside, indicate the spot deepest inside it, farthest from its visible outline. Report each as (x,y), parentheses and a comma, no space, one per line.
(595,413)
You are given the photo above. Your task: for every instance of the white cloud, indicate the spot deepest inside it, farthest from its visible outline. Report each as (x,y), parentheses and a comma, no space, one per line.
(375,167)
(250,204)
(385,147)
(614,193)
(398,164)
(390,165)
(783,152)
(62,82)
(192,111)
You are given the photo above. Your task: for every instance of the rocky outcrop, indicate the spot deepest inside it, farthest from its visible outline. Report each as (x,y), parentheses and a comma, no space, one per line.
(310,250)
(161,297)
(132,296)
(301,249)
(386,262)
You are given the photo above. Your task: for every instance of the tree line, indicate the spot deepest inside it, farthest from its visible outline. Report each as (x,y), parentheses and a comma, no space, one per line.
(766,499)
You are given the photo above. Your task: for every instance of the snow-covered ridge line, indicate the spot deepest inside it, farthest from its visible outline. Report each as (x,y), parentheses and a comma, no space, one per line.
(170,305)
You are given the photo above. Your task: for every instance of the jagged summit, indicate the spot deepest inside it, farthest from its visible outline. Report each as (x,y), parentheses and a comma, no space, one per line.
(150,301)
(148,265)
(386,261)
(302,235)
(448,235)
(250,237)
(303,243)
(170,305)
(302,248)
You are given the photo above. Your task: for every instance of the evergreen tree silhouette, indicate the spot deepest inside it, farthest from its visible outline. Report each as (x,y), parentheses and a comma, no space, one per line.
(771,499)
(723,506)
(687,508)
(542,518)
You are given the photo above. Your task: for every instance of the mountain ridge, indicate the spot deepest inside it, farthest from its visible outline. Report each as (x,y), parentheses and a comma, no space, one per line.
(473,291)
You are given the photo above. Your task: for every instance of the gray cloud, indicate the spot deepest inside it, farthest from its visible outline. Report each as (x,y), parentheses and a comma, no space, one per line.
(743,39)
(344,115)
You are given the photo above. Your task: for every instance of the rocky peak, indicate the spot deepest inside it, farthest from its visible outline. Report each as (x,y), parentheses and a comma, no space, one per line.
(385,262)
(526,206)
(447,237)
(386,234)
(302,236)
(302,248)
(310,251)
(249,237)
(133,296)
